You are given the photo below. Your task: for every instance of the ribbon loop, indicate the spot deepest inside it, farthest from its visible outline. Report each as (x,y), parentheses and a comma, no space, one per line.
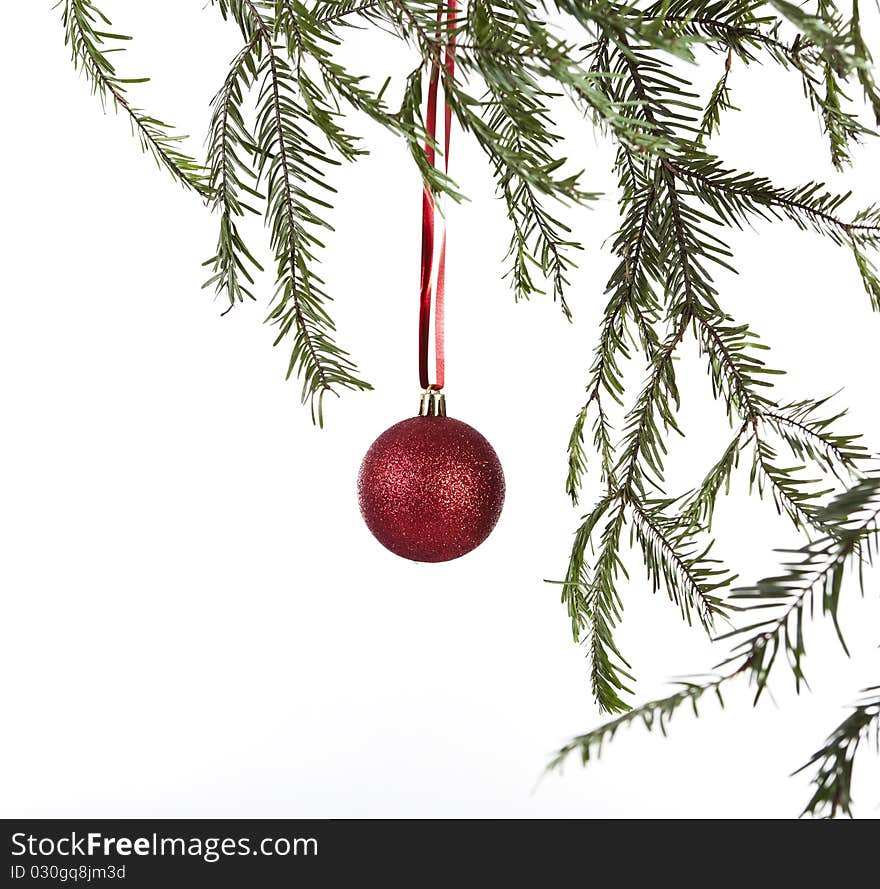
(433,279)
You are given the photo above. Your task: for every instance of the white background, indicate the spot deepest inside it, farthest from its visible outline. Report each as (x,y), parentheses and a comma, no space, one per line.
(195,621)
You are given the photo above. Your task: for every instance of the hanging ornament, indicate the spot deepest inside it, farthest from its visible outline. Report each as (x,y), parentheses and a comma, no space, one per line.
(431,488)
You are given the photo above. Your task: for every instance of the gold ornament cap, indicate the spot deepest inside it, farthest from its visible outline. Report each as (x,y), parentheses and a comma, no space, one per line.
(432,404)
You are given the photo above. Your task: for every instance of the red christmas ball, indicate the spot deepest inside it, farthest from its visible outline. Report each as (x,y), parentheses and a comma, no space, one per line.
(431,488)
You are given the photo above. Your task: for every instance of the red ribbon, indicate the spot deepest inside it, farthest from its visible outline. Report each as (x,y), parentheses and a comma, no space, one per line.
(431,290)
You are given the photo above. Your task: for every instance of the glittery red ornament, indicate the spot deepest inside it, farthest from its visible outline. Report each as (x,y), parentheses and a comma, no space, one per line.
(431,488)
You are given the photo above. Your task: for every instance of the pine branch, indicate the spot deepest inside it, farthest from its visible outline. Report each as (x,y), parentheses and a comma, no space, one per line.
(512,126)
(826,30)
(609,669)
(574,587)
(824,61)
(793,495)
(538,238)
(738,197)
(231,149)
(738,375)
(631,292)
(332,12)
(623,24)
(309,35)
(632,296)
(816,568)
(417,21)
(90,45)
(289,163)
(864,71)
(735,374)
(673,562)
(619,65)
(517,114)
(654,715)
(592,86)
(594,606)
(577,454)
(597,591)
(719,102)
(644,448)
(721,26)
(698,508)
(834,761)
(810,436)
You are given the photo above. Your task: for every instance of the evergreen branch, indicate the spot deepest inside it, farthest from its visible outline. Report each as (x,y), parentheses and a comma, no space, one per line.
(793,495)
(654,715)
(289,162)
(864,71)
(577,455)
(734,26)
(90,46)
(851,520)
(609,669)
(738,196)
(843,128)
(810,436)
(643,443)
(621,73)
(825,29)
(537,238)
(231,148)
(592,88)
(690,579)
(594,605)
(668,105)
(598,592)
(632,295)
(833,762)
(689,576)
(734,372)
(654,409)
(574,587)
(622,24)
(817,566)
(869,275)
(834,53)
(310,36)
(551,244)
(331,12)
(308,41)
(495,134)
(719,102)
(512,127)
(698,508)
(738,376)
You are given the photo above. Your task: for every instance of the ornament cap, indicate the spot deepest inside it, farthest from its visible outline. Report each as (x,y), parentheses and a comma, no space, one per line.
(432,404)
